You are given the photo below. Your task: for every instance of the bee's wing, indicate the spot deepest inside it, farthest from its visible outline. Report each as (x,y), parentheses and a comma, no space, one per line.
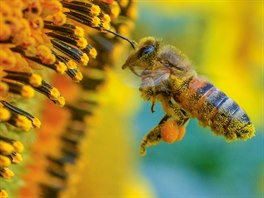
(161,78)
(157,78)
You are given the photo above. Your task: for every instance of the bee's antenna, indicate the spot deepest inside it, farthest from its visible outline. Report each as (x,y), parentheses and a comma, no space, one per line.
(132,43)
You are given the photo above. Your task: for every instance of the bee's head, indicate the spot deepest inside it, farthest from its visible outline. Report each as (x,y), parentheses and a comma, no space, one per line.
(144,55)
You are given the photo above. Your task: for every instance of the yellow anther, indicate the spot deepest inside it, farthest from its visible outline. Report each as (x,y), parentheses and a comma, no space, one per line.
(26,41)
(115,9)
(23,122)
(17,158)
(54,93)
(6,148)
(78,76)
(61,67)
(93,53)
(6,173)
(31,51)
(106,18)
(3,194)
(123,3)
(5,32)
(36,23)
(4,161)
(36,122)
(3,54)
(18,146)
(82,43)
(132,12)
(124,30)
(4,114)
(95,22)
(61,101)
(59,18)
(50,59)
(79,31)
(84,59)
(5,9)
(7,60)
(45,55)
(3,87)
(27,91)
(106,25)
(71,64)
(54,6)
(43,50)
(35,80)
(95,10)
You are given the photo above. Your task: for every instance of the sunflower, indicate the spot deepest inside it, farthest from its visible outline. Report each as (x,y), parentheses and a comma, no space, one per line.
(44,46)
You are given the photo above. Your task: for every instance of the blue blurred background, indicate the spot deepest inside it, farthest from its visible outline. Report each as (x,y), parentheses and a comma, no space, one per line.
(224,42)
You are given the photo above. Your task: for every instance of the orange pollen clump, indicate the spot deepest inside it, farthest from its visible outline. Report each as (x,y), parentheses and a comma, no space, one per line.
(171,132)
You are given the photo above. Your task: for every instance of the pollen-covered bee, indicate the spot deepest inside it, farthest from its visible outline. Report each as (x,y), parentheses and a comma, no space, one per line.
(167,76)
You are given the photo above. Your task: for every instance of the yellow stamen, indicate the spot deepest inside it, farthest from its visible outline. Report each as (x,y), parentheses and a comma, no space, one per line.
(124,30)
(84,59)
(59,18)
(106,25)
(4,161)
(18,146)
(71,64)
(3,87)
(23,122)
(35,80)
(45,55)
(5,9)
(95,22)
(3,194)
(5,32)
(16,158)
(78,76)
(4,114)
(79,31)
(93,53)
(27,91)
(54,93)
(61,101)
(115,9)
(95,10)
(24,40)
(6,148)
(82,43)
(43,50)
(36,122)
(54,6)
(7,60)
(6,173)
(36,23)
(61,67)
(106,18)
(123,3)
(132,12)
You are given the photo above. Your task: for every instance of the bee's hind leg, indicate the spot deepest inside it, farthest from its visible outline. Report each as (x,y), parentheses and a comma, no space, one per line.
(170,129)
(153,137)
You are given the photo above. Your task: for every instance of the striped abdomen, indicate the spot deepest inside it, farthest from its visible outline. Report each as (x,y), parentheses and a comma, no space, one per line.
(214,108)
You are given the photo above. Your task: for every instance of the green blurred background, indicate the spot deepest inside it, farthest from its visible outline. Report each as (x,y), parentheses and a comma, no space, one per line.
(224,40)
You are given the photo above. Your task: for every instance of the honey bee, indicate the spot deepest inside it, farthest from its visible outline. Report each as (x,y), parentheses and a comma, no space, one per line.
(167,76)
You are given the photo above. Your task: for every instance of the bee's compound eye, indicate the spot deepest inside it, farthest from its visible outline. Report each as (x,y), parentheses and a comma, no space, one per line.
(148,49)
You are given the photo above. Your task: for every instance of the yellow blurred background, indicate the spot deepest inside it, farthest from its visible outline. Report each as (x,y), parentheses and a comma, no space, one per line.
(224,40)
